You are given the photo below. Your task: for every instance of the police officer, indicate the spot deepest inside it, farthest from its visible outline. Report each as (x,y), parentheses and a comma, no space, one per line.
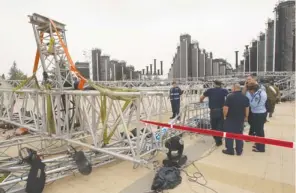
(257,98)
(216,97)
(252,79)
(175,94)
(235,111)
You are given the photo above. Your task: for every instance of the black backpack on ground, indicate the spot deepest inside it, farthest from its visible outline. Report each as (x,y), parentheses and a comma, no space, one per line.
(166,178)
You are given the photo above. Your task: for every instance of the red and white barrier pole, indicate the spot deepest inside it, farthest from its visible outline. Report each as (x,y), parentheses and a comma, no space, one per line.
(263,140)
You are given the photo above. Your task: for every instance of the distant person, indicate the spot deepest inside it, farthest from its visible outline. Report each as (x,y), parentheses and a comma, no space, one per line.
(257,98)
(216,97)
(235,112)
(273,95)
(175,97)
(278,100)
(76,83)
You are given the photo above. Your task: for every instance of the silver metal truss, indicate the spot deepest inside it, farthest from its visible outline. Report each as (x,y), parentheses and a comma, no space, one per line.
(165,84)
(81,127)
(78,122)
(226,79)
(104,123)
(287,87)
(101,123)
(52,51)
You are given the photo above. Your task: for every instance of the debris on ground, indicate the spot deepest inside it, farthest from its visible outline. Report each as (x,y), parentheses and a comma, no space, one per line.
(21,131)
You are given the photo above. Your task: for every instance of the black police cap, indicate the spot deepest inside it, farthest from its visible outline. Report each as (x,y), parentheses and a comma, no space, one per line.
(218,82)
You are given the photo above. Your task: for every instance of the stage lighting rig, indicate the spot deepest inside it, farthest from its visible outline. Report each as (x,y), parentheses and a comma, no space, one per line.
(83,164)
(175,144)
(36,177)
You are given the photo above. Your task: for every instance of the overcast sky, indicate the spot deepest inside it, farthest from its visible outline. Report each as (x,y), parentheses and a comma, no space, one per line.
(136,31)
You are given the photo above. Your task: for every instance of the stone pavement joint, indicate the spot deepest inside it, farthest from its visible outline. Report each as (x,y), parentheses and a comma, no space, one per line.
(269,172)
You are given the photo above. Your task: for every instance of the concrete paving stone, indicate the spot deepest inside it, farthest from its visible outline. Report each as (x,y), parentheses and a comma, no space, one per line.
(269,172)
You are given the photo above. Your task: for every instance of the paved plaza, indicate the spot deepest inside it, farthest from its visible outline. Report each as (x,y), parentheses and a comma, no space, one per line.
(269,172)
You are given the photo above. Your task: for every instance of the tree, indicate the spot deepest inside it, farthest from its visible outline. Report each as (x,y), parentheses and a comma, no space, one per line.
(15,73)
(3,76)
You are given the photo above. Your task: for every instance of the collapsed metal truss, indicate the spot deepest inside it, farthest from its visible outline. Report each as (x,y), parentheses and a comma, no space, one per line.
(77,115)
(78,122)
(52,51)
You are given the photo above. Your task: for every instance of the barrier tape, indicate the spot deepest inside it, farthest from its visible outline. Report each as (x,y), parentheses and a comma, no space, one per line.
(262,140)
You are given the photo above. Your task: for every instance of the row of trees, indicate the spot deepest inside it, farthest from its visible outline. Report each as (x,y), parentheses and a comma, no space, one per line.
(15,73)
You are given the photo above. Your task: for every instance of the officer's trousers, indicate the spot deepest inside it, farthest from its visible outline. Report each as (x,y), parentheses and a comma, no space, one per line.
(251,131)
(237,127)
(258,120)
(175,107)
(216,116)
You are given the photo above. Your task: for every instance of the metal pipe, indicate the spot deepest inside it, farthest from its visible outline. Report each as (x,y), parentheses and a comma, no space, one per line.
(274,40)
(154,67)
(124,157)
(265,48)
(106,69)
(197,62)
(114,71)
(122,72)
(20,125)
(186,59)
(90,93)
(97,65)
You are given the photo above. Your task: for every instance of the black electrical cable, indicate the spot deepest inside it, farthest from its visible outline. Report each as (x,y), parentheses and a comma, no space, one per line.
(196,176)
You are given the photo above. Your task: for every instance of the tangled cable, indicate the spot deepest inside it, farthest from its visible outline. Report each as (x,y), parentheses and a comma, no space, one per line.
(198,175)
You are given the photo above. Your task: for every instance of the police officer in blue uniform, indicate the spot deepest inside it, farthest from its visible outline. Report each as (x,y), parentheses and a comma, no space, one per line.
(175,94)
(252,79)
(257,97)
(216,97)
(235,111)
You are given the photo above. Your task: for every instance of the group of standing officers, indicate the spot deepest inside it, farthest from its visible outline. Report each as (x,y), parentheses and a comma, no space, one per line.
(230,112)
